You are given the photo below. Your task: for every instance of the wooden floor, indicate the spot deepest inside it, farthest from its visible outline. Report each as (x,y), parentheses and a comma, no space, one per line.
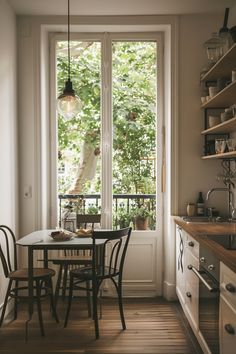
(154,326)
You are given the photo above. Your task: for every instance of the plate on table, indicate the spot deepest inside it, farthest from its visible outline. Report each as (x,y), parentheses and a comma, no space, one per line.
(83,232)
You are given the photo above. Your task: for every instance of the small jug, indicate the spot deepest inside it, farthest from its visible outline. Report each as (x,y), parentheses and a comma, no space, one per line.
(191,209)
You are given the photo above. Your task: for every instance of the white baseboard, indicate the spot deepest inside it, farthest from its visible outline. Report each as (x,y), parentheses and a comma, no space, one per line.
(169,292)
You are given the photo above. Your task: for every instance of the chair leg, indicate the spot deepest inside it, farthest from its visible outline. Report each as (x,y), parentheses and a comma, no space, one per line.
(5,302)
(38,293)
(119,293)
(95,313)
(64,286)
(88,294)
(100,302)
(16,300)
(69,300)
(54,312)
(58,284)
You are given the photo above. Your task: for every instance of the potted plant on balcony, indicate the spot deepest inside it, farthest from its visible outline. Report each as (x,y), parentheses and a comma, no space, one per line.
(122,218)
(140,215)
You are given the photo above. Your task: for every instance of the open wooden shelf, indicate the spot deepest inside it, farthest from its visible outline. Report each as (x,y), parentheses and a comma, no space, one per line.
(228,126)
(223,67)
(225,155)
(224,98)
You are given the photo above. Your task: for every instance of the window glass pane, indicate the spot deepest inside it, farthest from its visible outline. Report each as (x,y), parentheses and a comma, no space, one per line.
(134,90)
(79,160)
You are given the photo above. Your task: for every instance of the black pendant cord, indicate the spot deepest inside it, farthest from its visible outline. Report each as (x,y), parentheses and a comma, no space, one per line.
(68,40)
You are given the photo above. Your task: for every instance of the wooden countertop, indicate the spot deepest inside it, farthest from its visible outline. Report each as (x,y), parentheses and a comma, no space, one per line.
(199,231)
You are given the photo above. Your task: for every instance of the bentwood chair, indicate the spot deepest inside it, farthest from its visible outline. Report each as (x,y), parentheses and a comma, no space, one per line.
(42,278)
(72,258)
(107,263)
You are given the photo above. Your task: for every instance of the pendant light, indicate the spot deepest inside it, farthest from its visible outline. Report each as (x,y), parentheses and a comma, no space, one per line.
(68,104)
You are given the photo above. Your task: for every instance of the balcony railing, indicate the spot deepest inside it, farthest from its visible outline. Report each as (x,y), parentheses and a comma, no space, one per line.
(123,204)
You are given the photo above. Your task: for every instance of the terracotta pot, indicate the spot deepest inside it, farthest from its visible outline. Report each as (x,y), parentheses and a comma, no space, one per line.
(140,223)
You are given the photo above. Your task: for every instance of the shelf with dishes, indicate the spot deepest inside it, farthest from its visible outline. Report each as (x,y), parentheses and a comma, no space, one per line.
(225,155)
(223,67)
(223,98)
(228,126)
(219,104)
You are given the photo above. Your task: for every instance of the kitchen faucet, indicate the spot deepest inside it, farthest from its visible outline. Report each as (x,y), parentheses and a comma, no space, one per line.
(231,199)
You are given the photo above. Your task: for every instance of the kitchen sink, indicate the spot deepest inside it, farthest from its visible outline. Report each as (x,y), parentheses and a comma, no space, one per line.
(203,219)
(227,241)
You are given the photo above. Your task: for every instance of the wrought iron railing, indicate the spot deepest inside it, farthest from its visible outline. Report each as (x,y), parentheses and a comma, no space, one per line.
(123,207)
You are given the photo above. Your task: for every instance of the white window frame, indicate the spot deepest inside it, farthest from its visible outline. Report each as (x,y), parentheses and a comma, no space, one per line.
(106,40)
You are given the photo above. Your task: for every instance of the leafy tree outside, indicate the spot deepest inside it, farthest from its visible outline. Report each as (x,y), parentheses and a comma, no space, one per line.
(134,115)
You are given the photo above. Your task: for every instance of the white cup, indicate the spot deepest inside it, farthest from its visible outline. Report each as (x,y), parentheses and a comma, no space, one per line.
(213,90)
(220,145)
(231,144)
(213,120)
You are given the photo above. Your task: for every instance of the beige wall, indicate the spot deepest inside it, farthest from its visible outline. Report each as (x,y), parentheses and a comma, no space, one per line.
(195,174)
(8,124)
(232,17)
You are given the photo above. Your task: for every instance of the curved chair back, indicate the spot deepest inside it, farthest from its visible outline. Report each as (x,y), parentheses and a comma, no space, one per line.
(86,220)
(110,256)
(8,253)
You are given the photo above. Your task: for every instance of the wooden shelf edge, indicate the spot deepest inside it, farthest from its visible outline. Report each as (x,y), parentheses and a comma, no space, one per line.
(220,127)
(221,93)
(226,155)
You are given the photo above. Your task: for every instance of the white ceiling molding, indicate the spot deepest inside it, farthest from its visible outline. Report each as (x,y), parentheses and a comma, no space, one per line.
(121,7)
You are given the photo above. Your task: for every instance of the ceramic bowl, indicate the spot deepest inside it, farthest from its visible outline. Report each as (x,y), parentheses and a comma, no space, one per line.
(61,236)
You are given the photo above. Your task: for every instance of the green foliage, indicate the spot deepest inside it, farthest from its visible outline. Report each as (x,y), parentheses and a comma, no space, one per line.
(122,218)
(141,211)
(134,114)
(92,210)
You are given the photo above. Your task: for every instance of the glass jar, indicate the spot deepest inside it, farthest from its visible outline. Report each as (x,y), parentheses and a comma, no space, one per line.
(214,48)
(226,41)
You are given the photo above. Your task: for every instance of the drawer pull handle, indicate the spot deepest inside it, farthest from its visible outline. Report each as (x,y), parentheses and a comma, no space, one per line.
(229,328)
(191,243)
(230,287)
(188,294)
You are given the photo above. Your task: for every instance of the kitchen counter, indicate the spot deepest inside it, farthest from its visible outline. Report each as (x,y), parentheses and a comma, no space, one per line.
(199,231)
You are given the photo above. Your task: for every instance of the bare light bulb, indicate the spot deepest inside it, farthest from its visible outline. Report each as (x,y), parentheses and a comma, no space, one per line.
(68,104)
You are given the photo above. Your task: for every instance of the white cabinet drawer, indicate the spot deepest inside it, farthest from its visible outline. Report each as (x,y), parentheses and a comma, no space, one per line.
(191,260)
(192,245)
(191,303)
(228,284)
(227,328)
(191,288)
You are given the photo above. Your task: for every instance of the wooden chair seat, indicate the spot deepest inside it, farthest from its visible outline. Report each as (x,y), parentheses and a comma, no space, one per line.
(102,272)
(38,273)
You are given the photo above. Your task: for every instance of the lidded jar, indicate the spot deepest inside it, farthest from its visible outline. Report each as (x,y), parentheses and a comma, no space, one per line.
(214,48)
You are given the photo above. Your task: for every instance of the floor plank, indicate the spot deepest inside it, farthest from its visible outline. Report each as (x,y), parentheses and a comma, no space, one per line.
(154,326)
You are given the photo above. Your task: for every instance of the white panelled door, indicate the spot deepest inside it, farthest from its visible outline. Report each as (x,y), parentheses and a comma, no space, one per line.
(120,127)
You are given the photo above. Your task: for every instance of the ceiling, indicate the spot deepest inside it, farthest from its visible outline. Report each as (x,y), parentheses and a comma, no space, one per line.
(119,7)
